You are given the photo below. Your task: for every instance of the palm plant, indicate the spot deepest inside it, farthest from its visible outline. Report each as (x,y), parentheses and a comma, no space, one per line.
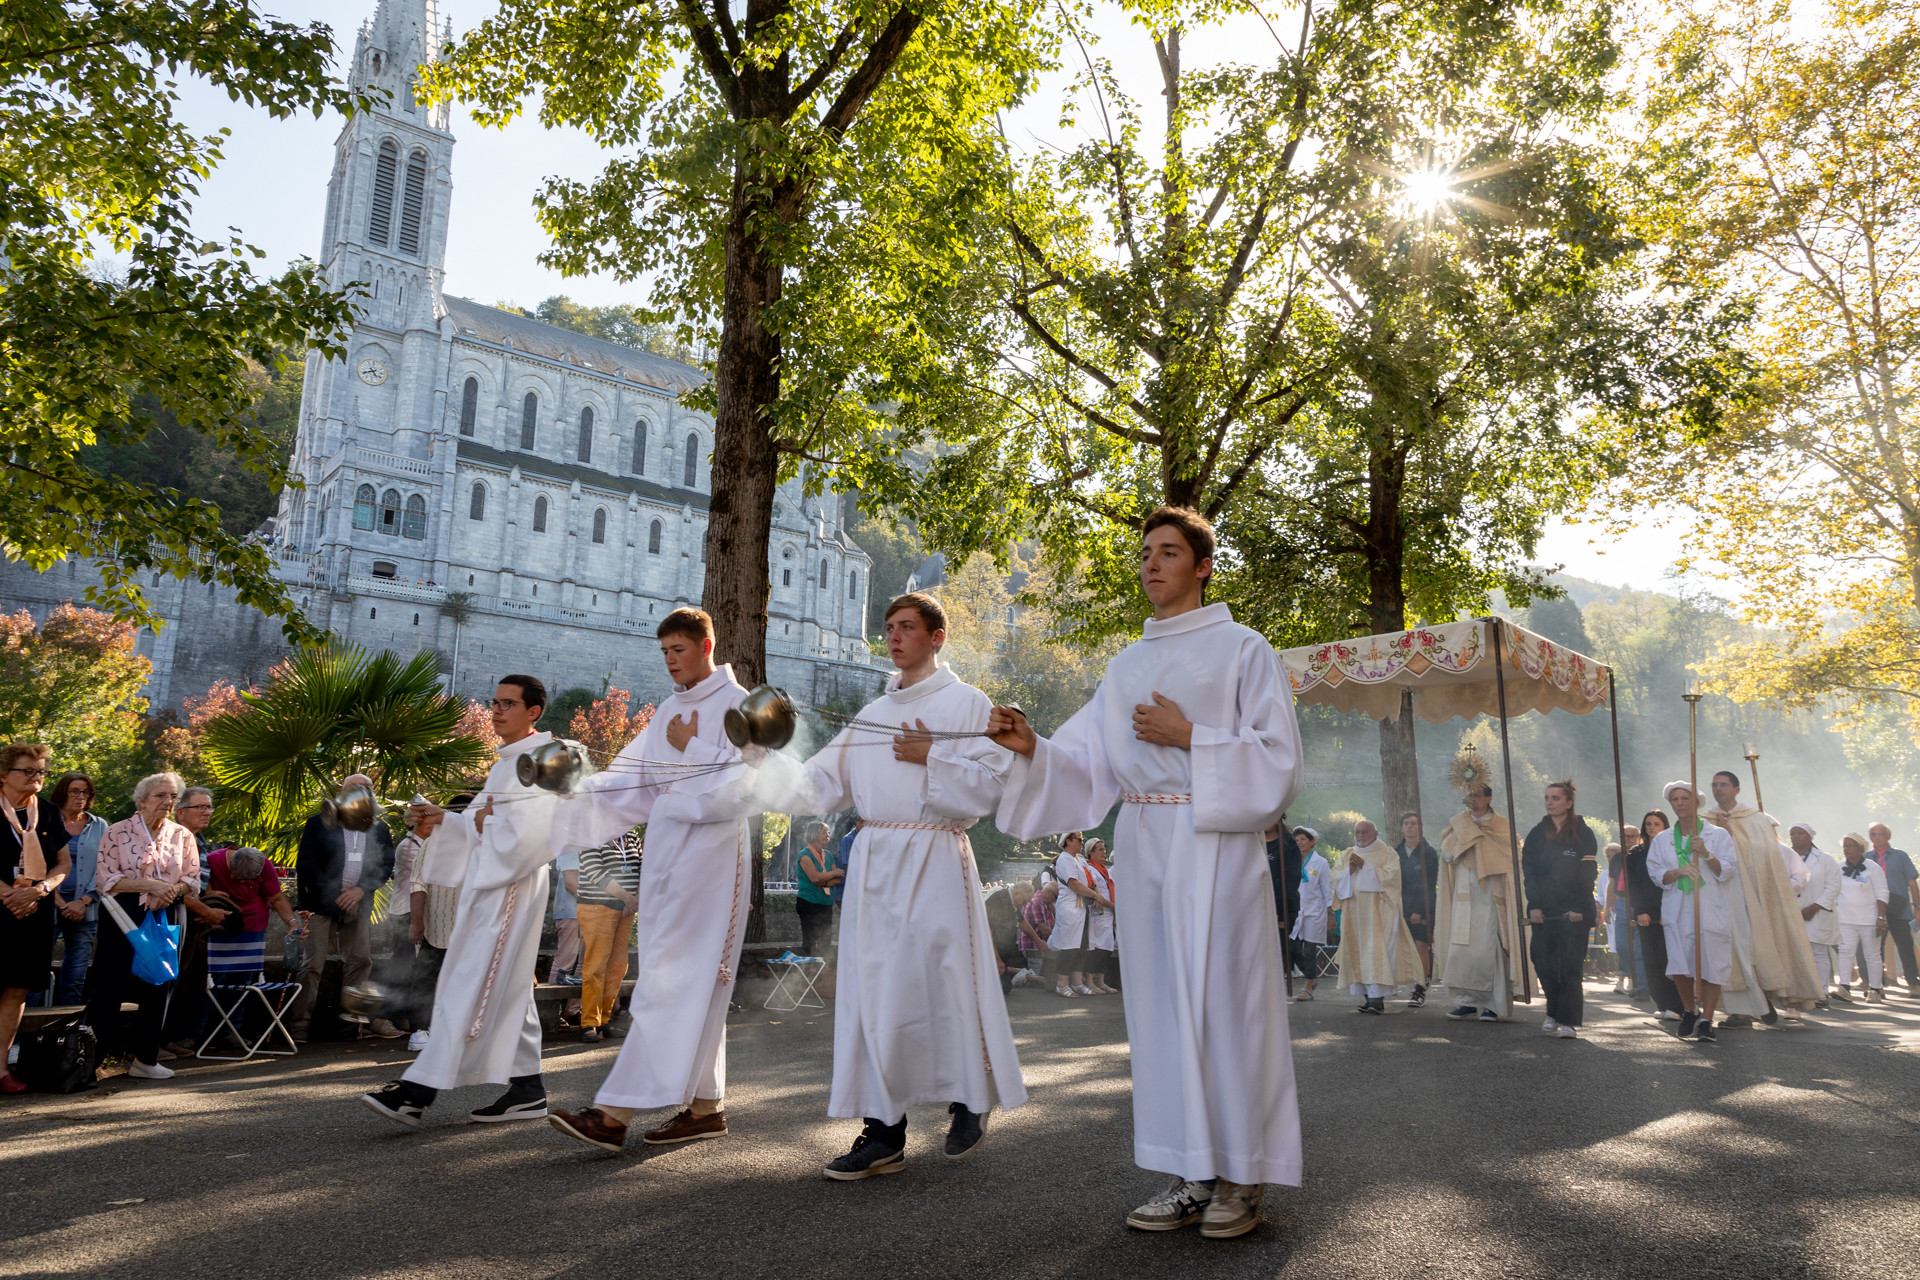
(328,712)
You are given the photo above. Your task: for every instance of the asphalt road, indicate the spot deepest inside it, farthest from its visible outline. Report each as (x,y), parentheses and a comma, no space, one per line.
(1433,1149)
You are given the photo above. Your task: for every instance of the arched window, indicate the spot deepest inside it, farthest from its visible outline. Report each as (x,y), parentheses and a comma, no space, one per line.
(585,453)
(853,586)
(389,513)
(693,458)
(540,514)
(529,412)
(385,569)
(653,537)
(412,202)
(469,405)
(363,500)
(380,217)
(600,524)
(477,504)
(416,521)
(640,447)
(823,575)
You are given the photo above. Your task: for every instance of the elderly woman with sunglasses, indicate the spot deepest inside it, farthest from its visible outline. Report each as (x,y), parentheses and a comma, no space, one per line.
(148,863)
(33,851)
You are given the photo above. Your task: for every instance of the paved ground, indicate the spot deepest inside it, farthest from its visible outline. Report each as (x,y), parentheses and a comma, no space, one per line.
(1433,1149)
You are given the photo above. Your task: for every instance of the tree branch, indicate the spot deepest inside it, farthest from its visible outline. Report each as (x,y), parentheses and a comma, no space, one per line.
(713,56)
(827,67)
(866,78)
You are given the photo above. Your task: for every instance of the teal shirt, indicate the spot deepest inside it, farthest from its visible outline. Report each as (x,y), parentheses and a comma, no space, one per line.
(808,890)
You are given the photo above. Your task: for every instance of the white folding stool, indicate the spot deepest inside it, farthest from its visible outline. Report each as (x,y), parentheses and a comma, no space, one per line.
(245,953)
(793,979)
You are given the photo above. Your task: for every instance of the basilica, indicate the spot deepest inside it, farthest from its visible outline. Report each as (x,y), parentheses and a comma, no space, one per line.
(515,495)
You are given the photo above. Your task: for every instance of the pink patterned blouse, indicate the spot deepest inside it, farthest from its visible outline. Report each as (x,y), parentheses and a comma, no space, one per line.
(130,852)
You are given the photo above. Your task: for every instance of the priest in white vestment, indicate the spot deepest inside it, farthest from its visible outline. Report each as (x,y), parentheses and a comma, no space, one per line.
(1775,928)
(685,780)
(1192,730)
(486,1028)
(1710,873)
(1818,886)
(1477,955)
(919,1016)
(1310,927)
(1376,947)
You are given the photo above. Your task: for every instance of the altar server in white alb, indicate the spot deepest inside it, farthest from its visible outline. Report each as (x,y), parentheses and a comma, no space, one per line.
(693,900)
(486,1029)
(1192,731)
(1309,932)
(1697,857)
(918,1016)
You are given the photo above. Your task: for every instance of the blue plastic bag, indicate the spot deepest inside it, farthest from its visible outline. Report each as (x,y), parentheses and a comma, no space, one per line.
(156,950)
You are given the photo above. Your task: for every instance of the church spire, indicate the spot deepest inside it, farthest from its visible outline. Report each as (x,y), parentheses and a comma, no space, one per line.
(401,37)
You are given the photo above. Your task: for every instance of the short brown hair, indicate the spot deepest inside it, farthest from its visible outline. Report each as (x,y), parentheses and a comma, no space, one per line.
(687,621)
(1193,526)
(14,752)
(1411,814)
(931,611)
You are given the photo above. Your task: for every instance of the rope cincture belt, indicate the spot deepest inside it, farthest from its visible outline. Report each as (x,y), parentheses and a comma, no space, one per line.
(1154,797)
(914,826)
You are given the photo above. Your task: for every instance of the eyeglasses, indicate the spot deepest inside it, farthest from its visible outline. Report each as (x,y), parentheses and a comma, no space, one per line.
(168,796)
(31,773)
(506,704)
(202,805)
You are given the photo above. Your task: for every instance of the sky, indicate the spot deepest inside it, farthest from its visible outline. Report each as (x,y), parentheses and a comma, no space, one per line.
(271,186)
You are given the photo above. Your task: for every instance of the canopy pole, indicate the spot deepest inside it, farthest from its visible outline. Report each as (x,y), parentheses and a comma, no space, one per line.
(1513,820)
(1620,808)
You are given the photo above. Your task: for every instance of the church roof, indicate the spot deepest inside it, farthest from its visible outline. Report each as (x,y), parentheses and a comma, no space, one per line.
(537,337)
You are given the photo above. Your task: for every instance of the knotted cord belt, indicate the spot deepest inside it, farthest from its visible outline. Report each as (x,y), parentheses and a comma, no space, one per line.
(1154,797)
(914,826)
(493,966)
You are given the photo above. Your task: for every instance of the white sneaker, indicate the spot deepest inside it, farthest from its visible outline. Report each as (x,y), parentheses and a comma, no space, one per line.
(416,1042)
(1549,1026)
(1183,1202)
(1668,1015)
(141,1071)
(1568,1033)
(1084,989)
(1233,1211)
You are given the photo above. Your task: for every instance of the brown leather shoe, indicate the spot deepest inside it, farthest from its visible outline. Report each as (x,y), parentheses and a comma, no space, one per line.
(592,1126)
(687,1127)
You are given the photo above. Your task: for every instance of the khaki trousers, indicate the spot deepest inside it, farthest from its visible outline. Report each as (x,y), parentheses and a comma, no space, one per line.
(606,935)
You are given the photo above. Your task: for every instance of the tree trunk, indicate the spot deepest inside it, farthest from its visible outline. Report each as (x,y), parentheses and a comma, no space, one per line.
(745,470)
(1387,611)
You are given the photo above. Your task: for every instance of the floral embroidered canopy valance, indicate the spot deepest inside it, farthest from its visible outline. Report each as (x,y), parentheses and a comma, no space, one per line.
(1451,670)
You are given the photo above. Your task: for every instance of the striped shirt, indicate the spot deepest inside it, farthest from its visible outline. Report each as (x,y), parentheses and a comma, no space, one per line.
(616,862)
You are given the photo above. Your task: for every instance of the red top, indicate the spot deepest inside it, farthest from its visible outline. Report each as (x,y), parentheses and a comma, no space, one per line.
(251,896)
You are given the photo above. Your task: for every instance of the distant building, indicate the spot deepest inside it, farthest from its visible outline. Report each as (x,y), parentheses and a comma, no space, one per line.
(467,461)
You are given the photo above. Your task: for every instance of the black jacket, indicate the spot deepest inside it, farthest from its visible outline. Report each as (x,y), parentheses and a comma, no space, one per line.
(1643,895)
(1560,875)
(1283,865)
(323,856)
(1419,878)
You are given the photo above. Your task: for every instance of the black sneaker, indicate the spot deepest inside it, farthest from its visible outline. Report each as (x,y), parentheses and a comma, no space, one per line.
(1462,1013)
(394,1103)
(966,1131)
(868,1159)
(1376,1005)
(1688,1021)
(511,1106)
(1705,1032)
(1419,997)
(1771,1017)
(1366,1006)
(1488,1015)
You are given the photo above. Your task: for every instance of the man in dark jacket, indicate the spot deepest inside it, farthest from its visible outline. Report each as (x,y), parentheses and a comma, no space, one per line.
(1419,874)
(338,872)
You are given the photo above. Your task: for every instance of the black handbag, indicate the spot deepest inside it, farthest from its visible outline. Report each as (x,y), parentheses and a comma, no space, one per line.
(61,1057)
